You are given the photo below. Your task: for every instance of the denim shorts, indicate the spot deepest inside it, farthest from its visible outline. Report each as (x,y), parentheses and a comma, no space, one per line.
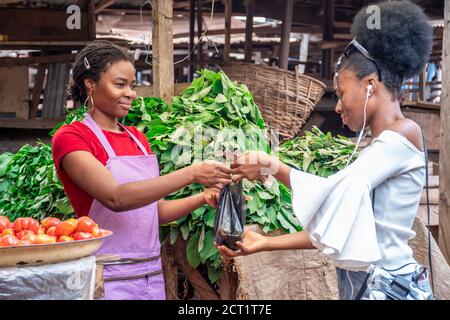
(350,283)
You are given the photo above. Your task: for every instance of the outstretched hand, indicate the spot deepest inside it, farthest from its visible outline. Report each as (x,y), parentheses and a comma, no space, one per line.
(252,242)
(211,196)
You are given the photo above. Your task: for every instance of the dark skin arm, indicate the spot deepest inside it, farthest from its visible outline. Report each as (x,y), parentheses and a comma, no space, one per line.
(94,178)
(171,210)
(254,242)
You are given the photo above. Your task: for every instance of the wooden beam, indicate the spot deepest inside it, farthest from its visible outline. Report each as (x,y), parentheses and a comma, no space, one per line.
(250,10)
(162,47)
(39,123)
(37,90)
(286,33)
(40,25)
(328,28)
(103,5)
(444,154)
(9,62)
(191,38)
(228,13)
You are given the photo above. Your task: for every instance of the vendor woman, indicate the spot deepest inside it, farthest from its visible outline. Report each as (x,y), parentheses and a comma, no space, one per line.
(111,175)
(362,216)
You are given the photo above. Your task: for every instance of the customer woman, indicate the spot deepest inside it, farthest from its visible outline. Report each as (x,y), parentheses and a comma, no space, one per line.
(362,216)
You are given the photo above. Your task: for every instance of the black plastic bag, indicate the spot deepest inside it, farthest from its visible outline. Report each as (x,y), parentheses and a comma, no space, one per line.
(230,216)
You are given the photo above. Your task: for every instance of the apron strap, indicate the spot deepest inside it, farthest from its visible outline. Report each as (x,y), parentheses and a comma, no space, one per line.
(88,121)
(144,151)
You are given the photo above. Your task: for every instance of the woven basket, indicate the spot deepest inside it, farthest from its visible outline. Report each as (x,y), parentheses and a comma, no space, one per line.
(284,97)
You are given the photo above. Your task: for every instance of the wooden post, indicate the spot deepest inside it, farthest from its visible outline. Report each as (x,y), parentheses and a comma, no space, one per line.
(191,39)
(328,24)
(162,47)
(199,29)
(227,45)
(303,55)
(286,33)
(249,29)
(91,19)
(37,90)
(444,154)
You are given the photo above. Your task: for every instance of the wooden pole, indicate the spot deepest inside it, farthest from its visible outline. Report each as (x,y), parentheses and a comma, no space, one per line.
(227,45)
(162,47)
(91,19)
(191,38)
(328,24)
(249,29)
(444,154)
(286,33)
(199,28)
(303,55)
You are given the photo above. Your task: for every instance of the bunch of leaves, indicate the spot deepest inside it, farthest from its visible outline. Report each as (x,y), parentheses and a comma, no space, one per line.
(317,153)
(212,118)
(29,185)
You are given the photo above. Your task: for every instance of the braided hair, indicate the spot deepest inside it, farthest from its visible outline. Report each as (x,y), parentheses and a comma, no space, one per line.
(91,62)
(401,46)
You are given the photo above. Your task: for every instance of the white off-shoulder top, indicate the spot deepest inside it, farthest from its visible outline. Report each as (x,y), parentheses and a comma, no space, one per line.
(337,211)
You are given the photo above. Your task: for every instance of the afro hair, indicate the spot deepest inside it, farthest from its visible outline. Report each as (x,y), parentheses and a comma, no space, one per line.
(402,44)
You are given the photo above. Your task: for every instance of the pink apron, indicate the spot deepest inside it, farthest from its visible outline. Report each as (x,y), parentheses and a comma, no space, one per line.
(138,274)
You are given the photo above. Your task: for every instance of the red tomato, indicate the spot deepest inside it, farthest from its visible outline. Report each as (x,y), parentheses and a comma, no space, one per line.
(85,224)
(51,231)
(44,239)
(65,239)
(8,241)
(25,242)
(41,230)
(7,232)
(96,232)
(105,232)
(29,237)
(50,222)
(66,228)
(26,224)
(82,236)
(23,233)
(4,223)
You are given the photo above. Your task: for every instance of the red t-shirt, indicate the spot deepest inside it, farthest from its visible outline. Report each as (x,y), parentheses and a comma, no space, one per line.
(78,137)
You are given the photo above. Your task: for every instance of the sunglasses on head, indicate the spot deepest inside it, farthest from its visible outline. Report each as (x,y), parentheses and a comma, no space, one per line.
(353,46)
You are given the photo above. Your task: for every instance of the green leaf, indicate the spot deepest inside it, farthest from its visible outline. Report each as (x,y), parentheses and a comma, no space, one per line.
(192,254)
(220,98)
(214,274)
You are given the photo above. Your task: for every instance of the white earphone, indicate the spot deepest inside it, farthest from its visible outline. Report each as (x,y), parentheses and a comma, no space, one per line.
(369,87)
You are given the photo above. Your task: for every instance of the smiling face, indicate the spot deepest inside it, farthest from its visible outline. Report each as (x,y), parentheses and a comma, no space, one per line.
(351,93)
(114,91)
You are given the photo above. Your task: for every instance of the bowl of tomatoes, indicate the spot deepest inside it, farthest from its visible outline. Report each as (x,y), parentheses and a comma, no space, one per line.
(27,241)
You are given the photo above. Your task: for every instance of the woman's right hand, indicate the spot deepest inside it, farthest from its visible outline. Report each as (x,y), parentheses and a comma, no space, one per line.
(211,174)
(252,242)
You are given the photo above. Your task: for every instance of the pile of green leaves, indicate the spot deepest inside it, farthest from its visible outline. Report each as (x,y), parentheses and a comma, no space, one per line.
(317,153)
(29,185)
(214,116)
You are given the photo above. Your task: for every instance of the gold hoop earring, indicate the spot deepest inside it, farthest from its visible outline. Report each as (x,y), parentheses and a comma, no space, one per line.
(92,103)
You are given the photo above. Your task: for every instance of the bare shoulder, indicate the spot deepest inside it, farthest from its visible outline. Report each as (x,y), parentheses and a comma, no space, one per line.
(410,130)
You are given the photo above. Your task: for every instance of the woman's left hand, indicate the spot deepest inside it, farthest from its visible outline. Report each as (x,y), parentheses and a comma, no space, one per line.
(211,196)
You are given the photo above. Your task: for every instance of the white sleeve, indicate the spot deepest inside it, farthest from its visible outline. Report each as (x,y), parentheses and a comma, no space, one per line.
(337,211)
